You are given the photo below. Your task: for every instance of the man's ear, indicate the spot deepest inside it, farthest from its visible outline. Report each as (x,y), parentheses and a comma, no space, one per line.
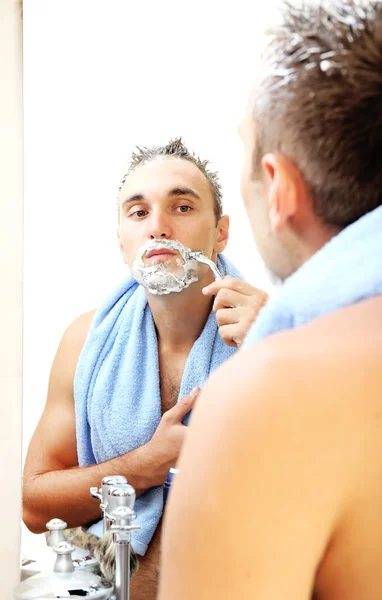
(222,234)
(282,189)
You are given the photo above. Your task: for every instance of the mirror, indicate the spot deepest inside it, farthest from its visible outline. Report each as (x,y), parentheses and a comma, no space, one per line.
(100,78)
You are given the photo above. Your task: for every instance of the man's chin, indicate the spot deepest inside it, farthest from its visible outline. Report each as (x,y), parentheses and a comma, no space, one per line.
(166,281)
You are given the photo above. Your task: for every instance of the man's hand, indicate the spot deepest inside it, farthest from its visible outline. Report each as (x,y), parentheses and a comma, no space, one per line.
(164,447)
(236,306)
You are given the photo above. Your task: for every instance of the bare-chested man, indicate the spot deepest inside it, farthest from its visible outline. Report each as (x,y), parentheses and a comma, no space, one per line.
(281,498)
(112,406)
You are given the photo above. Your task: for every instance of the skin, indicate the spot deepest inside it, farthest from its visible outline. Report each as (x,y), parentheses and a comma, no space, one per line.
(279,488)
(148,209)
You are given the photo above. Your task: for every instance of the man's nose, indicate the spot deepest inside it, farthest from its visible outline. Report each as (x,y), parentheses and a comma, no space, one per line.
(159,227)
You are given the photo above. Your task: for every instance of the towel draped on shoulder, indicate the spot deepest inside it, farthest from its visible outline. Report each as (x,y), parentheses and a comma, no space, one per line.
(117,386)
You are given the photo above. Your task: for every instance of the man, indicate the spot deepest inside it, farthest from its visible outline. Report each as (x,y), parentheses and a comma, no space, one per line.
(112,406)
(279,489)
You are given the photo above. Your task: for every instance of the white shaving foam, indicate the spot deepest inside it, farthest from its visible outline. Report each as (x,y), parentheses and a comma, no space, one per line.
(165,277)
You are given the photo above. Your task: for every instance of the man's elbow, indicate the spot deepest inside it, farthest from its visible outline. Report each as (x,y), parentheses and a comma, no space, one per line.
(33,522)
(33,516)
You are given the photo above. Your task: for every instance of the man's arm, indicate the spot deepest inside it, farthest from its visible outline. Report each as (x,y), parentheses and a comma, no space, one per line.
(54,485)
(261,479)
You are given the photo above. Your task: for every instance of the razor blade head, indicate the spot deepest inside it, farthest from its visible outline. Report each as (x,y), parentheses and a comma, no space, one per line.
(200,257)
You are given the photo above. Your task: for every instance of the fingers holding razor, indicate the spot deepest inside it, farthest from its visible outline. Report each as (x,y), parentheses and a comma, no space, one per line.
(236,305)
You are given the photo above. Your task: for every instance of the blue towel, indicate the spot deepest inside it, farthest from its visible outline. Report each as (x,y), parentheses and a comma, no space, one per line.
(346,270)
(116,386)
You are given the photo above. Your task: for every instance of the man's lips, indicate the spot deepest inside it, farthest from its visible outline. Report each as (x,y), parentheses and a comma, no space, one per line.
(160,252)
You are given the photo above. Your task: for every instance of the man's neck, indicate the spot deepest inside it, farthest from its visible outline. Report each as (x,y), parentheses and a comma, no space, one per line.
(180,317)
(315,236)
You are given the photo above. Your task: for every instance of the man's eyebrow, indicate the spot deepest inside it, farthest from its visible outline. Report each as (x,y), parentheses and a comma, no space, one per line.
(134,198)
(183,192)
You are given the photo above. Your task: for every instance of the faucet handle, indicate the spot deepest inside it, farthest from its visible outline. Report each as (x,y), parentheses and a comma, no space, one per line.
(107,483)
(64,562)
(96,493)
(56,529)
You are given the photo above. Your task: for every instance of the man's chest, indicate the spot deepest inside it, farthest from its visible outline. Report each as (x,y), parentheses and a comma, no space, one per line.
(171,369)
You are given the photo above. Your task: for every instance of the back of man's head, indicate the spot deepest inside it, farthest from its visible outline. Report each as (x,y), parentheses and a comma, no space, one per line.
(319,102)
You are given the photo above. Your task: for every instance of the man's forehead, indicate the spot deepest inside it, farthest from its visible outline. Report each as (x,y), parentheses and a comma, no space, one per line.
(165,173)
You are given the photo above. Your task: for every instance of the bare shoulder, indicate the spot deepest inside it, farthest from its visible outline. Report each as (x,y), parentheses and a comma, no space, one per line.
(77,331)
(341,353)
(341,349)
(321,383)
(68,352)
(353,330)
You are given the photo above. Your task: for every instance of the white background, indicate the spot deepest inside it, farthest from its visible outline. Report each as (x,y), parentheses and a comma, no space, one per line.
(101,76)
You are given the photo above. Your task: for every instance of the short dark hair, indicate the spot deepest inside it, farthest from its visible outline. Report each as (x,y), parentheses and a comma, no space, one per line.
(319,102)
(176,149)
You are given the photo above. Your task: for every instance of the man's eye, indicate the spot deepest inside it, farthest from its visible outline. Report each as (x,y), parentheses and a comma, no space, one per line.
(139,213)
(184,208)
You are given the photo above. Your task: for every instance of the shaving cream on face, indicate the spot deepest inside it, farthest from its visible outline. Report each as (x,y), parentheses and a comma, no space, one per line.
(165,277)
